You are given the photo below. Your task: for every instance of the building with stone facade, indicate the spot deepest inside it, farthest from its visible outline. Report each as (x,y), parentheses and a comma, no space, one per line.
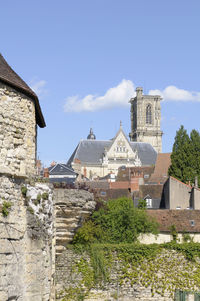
(26,218)
(145,119)
(96,158)
(20,113)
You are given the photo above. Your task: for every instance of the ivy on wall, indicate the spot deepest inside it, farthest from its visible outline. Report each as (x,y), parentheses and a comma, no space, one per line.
(164,268)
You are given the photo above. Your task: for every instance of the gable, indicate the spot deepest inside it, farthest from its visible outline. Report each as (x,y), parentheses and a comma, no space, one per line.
(120,147)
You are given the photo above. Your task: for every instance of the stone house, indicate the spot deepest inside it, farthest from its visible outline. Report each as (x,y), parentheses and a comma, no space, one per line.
(183,222)
(20,113)
(26,245)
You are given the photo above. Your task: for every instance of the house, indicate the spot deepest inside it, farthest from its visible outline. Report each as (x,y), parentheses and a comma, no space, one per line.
(179,222)
(20,113)
(61,173)
(178,195)
(96,158)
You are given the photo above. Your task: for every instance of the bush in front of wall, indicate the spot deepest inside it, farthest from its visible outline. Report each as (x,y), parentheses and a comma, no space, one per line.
(45,196)
(24,191)
(6,208)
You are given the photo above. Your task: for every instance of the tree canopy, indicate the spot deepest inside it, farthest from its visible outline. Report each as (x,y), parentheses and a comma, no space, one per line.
(117,221)
(185,157)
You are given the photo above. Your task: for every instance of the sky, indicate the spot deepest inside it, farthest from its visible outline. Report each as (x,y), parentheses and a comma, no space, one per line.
(84,59)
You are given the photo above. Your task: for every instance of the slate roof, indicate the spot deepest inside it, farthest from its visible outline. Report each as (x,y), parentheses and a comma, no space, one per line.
(91,151)
(10,78)
(61,169)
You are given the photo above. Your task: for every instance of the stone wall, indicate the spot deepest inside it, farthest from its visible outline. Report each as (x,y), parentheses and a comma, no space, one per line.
(17,133)
(72,206)
(70,281)
(25,241)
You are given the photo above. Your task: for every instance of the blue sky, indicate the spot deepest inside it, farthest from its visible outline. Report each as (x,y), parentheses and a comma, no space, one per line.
(73,52)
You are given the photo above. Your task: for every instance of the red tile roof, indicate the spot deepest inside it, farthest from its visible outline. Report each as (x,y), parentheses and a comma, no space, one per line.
(9,77)
(182,219)
(163,162)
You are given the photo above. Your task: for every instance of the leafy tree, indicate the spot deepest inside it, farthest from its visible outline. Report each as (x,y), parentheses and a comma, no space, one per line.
(118,222)
(180,158)
(185,157)
(195,154)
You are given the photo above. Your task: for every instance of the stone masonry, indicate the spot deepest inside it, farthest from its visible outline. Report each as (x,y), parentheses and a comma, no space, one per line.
(145,119)
(17,133)
(72,206)
(26,251)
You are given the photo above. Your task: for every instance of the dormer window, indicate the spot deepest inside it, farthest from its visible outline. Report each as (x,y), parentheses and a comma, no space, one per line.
(148,114)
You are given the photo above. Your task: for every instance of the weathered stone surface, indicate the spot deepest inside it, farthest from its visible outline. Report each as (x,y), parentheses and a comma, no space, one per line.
(72,206)
(17,133)
(26,258)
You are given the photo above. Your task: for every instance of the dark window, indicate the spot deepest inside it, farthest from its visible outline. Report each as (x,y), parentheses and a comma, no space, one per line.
(148,114)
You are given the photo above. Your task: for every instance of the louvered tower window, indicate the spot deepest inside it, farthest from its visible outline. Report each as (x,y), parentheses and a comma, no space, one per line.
(148,114)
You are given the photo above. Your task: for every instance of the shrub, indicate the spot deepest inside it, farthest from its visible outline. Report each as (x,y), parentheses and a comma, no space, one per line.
(5,208)
(45,196)
(118,221)
(24,191)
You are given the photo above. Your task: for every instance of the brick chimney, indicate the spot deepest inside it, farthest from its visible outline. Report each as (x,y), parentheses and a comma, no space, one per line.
(46,173)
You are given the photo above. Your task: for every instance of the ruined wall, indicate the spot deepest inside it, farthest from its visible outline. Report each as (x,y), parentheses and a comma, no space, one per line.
(72,206)
(25,241)
(148,281)
(17,133)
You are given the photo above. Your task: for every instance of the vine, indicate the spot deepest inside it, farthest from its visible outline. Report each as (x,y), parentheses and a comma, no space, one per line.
(164,268)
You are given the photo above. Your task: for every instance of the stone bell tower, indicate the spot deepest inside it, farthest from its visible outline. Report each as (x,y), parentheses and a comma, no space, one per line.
(145,119)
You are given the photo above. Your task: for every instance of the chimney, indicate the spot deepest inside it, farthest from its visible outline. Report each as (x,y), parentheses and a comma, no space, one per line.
(53,163)
(139,92)
(46,172)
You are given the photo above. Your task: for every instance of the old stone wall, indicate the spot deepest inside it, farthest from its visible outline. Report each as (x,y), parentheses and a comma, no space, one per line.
(72,273)
(72,206)
(26,232)
(17,133)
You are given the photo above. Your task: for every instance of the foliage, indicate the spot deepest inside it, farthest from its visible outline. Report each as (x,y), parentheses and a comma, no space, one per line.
(163,268)
(24,191)
(72,293)
(142,204)
(6,208)
(185,157)
(187,237)
(45,196)
(118,221)
(173,232)
(39,197)
(89,233)
(30,210)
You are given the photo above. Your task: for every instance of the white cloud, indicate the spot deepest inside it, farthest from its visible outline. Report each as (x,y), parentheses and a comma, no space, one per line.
(39,87)
(114,97)
(172,93)
(119,96)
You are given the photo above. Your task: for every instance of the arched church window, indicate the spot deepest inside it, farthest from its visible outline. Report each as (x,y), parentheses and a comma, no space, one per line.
(148,114)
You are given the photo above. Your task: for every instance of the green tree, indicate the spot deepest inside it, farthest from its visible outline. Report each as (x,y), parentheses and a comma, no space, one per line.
(119,222)
(195,154)
(180,158)
(185,157)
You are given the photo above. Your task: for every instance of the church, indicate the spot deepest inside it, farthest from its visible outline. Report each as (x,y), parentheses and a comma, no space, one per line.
(94,158)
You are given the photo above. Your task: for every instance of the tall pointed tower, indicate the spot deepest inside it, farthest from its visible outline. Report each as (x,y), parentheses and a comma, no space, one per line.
(145,119)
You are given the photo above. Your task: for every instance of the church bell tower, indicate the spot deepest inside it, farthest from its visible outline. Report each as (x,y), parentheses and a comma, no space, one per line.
(145,119)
